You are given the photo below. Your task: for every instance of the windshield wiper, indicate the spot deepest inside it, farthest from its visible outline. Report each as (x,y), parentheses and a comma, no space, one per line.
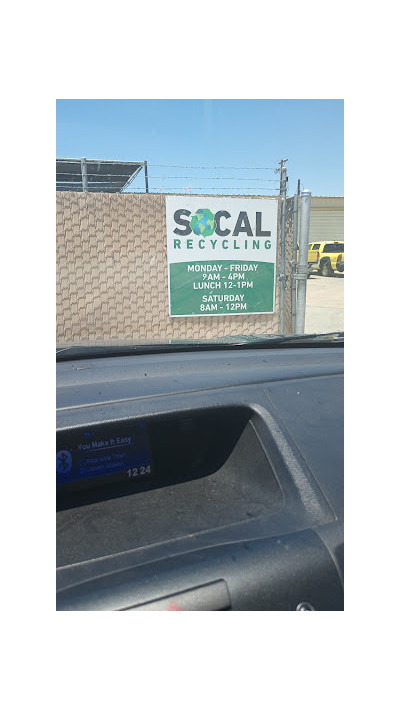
(80,351)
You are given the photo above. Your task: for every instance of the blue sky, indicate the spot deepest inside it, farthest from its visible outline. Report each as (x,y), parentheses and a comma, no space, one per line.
(254,134)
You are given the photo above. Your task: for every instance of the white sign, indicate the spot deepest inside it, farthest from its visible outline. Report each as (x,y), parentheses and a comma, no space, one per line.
(221,255)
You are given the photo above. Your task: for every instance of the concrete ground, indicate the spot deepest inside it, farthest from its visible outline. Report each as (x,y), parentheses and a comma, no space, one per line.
(324,304)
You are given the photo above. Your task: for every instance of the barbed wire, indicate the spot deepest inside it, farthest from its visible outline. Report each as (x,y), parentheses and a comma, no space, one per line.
(166,177)
(209,167)
(214,177)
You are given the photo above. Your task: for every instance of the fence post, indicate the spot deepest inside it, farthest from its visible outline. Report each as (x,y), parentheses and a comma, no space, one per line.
(302,265)
(294,261)
(283,244)
(84,175)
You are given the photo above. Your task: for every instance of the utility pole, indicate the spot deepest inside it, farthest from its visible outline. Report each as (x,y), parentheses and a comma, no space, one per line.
(282,279)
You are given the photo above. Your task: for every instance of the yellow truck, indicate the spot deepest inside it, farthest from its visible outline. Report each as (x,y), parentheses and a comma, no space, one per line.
(326,257)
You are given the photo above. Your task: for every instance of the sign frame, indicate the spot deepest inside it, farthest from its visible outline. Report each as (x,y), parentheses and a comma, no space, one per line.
(213,243)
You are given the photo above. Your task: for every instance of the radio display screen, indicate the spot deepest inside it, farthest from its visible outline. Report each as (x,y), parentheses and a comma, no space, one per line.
(103,454)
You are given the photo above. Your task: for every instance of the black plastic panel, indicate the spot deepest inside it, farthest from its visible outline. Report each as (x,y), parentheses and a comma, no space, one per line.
(275,574)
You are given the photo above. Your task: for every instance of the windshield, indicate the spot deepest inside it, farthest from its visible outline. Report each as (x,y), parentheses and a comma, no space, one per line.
(224,223)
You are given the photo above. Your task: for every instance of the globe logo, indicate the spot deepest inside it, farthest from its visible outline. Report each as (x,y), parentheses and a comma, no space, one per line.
(202,223)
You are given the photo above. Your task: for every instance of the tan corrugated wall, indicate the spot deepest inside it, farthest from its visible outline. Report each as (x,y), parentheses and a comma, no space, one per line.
(112,278)
(326,218)
(326,225)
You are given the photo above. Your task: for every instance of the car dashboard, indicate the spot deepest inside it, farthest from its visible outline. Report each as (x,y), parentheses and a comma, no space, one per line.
(208,480)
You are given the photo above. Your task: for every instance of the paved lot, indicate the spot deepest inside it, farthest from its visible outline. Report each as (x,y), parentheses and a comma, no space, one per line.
(324,304)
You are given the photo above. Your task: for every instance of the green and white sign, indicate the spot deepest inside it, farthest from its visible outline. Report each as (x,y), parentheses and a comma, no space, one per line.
(221,255)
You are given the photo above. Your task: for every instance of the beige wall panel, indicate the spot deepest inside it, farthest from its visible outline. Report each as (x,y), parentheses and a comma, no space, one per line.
(112,274)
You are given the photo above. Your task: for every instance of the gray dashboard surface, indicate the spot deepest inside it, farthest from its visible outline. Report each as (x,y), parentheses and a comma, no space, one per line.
(105,380)
(295,402)
(303,387)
